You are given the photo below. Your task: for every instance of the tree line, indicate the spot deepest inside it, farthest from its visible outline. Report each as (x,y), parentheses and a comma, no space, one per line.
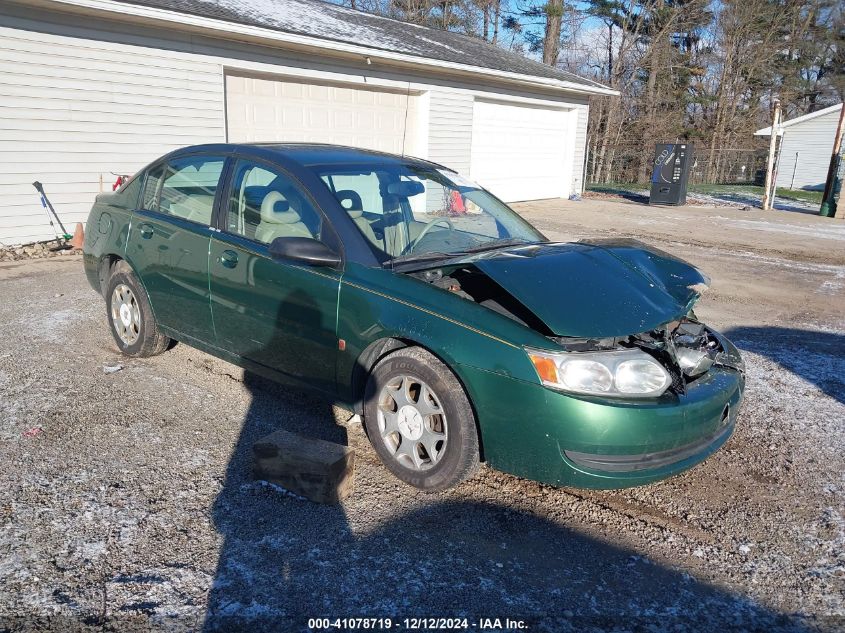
(701,71)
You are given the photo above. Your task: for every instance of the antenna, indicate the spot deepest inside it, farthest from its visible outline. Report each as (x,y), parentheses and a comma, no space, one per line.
(405,125)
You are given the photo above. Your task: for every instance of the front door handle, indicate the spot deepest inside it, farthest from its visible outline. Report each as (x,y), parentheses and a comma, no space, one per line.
(146,230)
(228,258)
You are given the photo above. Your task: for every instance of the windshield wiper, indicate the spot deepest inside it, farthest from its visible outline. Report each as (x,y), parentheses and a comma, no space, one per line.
(436,255)
(492,246)
(419,257)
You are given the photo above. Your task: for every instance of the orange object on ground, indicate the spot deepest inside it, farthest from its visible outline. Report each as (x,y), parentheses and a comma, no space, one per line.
(457,205)
(78,237)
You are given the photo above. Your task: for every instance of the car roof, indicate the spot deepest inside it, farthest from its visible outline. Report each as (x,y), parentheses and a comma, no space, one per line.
(316,154)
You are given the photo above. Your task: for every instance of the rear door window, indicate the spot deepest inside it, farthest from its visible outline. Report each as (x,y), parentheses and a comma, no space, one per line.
(188,187)
(151,188)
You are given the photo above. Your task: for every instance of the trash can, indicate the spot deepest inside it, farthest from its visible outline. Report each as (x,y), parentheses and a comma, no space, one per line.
(672,163)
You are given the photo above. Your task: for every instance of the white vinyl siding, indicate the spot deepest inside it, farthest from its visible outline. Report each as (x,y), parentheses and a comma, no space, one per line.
(805,151)
(450,129)
(579,149)
(73,110)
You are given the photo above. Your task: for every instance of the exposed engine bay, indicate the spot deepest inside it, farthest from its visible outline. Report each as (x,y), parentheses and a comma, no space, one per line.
(472,284)
(685,347)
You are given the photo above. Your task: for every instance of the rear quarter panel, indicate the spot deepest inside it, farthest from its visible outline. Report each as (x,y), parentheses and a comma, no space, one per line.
(107,229)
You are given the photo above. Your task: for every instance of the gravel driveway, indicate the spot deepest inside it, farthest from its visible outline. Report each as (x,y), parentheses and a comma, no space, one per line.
(126,501)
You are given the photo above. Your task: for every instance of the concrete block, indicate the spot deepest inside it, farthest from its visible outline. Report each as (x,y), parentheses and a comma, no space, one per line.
(318,470)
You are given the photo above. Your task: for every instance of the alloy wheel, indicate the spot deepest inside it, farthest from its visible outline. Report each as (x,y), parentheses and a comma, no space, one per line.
(412,423)
(125,314)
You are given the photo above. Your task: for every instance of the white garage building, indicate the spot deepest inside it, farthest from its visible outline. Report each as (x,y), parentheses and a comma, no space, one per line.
(806,143)
(92,88)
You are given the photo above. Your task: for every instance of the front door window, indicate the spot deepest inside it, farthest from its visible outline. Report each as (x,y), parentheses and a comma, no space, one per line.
(265,204)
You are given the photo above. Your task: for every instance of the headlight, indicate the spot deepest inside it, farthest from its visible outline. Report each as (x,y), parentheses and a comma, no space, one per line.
(614,373)
(693,362)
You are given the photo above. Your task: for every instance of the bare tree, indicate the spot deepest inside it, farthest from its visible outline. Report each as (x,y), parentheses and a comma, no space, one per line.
(697,70)
(551,36)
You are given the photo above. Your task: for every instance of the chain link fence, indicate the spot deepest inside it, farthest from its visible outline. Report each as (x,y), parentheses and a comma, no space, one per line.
(633,165)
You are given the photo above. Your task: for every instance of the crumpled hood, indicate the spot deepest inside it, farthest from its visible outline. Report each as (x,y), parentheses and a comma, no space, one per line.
(596,289)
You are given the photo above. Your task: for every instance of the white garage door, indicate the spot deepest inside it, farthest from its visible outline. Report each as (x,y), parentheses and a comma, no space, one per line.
(519,152)
(262,109)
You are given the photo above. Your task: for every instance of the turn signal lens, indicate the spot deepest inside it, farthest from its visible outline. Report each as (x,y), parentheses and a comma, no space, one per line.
(546,368)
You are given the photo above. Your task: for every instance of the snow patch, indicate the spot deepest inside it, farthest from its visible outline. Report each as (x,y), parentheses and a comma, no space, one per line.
(51,326)
(258,485)
(833,286)
(325,21)
(823,232)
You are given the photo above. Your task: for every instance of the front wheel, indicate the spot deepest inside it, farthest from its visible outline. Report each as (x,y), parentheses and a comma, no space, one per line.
(419,420)
(131,318)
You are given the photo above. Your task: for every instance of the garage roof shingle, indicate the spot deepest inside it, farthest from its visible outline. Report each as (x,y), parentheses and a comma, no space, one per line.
(328,21)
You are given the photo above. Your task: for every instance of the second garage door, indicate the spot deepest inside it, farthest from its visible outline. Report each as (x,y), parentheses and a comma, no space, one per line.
(519,151)
(274,109)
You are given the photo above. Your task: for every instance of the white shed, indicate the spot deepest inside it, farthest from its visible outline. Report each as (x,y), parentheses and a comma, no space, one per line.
(93,88)
(806,143)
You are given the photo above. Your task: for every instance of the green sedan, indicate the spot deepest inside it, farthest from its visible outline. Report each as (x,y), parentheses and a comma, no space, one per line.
(414,297)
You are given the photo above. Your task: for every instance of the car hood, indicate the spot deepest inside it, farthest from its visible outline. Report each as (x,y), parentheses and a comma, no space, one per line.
(596,289)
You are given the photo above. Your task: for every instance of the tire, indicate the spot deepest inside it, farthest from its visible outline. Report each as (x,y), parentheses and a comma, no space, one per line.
(419,420)
(130,316)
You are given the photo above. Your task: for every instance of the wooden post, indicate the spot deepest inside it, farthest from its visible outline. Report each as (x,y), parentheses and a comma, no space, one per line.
(827,197)
(770,164)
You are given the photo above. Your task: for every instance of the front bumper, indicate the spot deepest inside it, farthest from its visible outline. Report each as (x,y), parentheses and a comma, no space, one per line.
(565,440)
(647,461)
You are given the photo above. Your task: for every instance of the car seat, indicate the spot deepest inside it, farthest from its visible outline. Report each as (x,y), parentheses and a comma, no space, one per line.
(195,207)
(279,220)
(351,201)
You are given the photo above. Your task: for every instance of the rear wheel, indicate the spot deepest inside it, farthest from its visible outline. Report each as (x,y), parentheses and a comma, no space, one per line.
(131,319)
(419,420)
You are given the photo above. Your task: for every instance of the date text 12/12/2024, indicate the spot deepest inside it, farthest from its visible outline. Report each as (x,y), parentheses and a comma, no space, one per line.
(417,624)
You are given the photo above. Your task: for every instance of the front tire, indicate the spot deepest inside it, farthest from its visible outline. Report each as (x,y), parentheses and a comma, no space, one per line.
(419,420)
(130,316)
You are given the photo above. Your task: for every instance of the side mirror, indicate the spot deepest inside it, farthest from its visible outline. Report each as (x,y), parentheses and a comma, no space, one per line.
(303,250)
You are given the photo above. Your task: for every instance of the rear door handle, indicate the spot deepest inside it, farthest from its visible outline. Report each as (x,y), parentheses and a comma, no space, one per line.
(228,258)
(146,230)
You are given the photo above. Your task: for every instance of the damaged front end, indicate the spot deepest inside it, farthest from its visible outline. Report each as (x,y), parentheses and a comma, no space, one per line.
(689,348)
(632,387)
(582,296)
(685,350)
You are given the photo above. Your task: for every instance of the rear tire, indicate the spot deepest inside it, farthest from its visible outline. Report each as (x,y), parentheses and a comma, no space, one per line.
(420,421)
(130,316)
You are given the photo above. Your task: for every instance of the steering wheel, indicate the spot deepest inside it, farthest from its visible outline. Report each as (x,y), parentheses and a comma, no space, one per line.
(427,228)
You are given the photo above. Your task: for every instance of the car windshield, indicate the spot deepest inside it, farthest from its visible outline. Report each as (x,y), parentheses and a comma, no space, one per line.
(408,212)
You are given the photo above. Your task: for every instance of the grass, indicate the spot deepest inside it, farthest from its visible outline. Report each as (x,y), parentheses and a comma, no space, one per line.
(800,194)
(727,191)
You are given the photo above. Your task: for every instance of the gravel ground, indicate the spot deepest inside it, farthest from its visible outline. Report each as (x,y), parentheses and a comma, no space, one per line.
(127,502)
